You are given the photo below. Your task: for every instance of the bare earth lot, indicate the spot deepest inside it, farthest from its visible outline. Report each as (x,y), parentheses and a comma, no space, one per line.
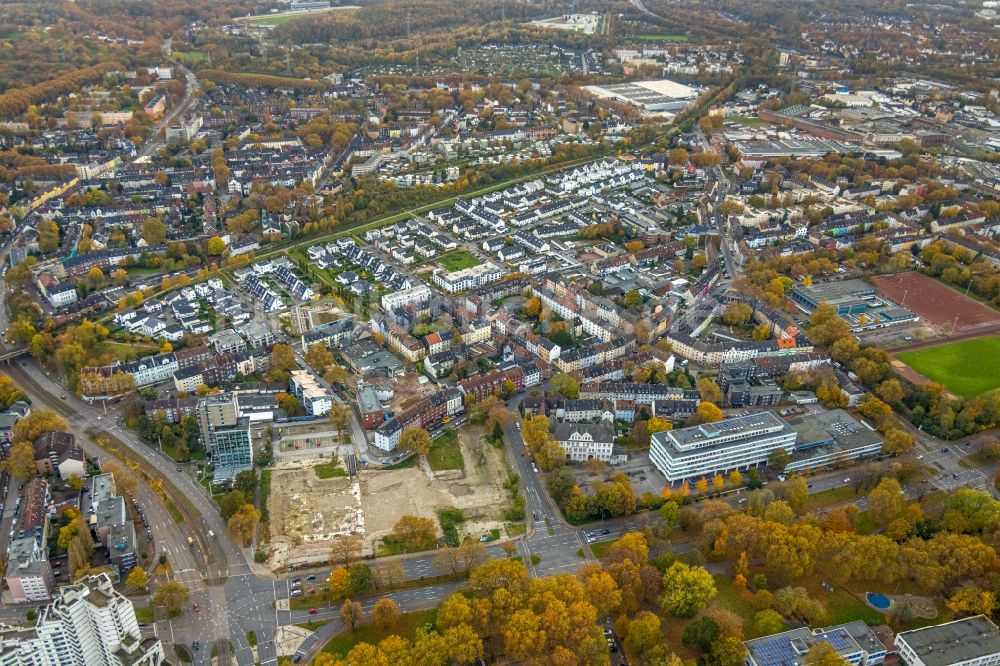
(307,513)
(936,304)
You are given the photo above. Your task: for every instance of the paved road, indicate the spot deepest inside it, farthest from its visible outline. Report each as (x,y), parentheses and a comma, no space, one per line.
(246,602)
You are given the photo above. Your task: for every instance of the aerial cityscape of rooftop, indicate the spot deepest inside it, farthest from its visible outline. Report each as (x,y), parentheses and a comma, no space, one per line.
(543,332)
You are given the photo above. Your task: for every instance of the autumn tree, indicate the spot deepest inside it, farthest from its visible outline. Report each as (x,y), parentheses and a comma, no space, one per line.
(20,462)
(137,578)
(318,357)
(414,533)
(350,613)
(243,524)
(384,615)
(417,440)
(282,362)
(886,501)
(707,412)
(566,386)
(154,231)
(737,313)
(338,584)
(172,596)
(823,653)
(643,632)
(709,390)
(37,423)
(970,600)
(686,589)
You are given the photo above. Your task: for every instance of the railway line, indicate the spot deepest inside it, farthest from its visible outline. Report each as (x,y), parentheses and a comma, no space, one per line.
(175,502)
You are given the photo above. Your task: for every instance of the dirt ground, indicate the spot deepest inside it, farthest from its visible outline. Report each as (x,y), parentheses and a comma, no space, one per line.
(308,513)
(944,308)
(409,391)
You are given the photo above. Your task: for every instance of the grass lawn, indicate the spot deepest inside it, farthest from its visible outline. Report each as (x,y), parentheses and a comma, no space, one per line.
(967,368)
(730,597)
(515,529)
(280,19)
(193,56)
(749,122)
(307,601)
(445,454)
(406,627)
(660,38)
(313,625)
(599,547)
(144,614)
(830,497)
(329,470)
(456,261)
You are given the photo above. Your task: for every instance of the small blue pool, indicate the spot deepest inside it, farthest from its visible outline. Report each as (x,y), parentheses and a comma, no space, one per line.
(879,601)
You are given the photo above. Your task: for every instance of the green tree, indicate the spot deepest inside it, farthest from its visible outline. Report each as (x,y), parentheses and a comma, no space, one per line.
(566,386)
(686,589)
(767,622)
(778,459)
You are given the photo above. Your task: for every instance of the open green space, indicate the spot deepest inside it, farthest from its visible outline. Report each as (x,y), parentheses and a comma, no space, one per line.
(660,38)
(445,453)
(456,261)
(279,19)
(193,56)
(747,121)
(599,547)
(314,600)
(967,367)
(144,614)
(406,626)
(329,470)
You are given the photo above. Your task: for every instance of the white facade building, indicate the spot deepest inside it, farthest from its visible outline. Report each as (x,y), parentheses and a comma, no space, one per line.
(582,441)
(88,623)
(467,278)
(703,450)
(404,297)
(971,641)
(315,398)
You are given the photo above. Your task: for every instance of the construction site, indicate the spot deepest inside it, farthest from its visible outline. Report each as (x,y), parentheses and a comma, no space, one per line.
(313,501)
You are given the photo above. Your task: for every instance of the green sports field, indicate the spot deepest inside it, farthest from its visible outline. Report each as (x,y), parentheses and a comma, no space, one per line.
(966,368)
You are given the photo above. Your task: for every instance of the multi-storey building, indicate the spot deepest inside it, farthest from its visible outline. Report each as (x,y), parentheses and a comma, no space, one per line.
(87,623)
(854,642)
(582,441)
(316,400)
(736,443)
(971,641)
(226,435)
(467,278)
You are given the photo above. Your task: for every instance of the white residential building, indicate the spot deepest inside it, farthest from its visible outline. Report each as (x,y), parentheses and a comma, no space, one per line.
(582,441)
(467,278)
(736,443)
(88,623)
(971,641)
(398,299)
(315,398)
